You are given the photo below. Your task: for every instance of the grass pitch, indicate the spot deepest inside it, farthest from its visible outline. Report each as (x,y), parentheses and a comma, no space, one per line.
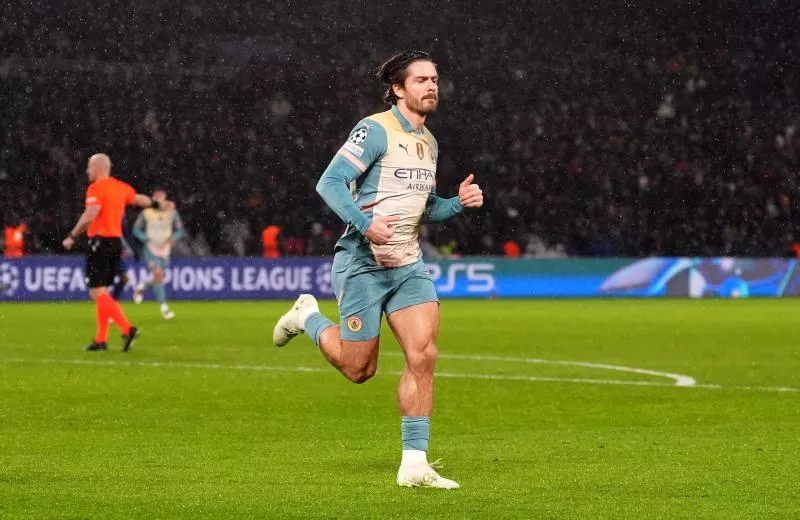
(206,419)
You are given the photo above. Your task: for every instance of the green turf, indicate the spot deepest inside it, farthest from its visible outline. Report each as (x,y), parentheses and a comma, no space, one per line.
(205,419)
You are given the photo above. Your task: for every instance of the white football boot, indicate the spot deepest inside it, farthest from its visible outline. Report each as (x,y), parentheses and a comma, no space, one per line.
(167,312)
(138,293)
(292,323)
(423,475)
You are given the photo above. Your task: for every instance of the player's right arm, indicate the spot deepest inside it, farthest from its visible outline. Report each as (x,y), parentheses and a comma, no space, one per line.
(140,228)
(366,144)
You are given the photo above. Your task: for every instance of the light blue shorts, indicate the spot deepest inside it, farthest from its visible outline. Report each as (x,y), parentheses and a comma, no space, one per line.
(365,291)
(154,261)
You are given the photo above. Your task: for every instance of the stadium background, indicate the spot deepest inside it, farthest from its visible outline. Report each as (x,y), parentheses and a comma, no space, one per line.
(650,129)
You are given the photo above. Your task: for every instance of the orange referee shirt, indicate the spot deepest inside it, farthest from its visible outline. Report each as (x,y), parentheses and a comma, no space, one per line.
(112,195)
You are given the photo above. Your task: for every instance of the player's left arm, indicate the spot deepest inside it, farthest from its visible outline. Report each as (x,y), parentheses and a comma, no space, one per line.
(438,209)
(177,227)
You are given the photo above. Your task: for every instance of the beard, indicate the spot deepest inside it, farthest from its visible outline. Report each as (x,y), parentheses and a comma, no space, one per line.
(426,105)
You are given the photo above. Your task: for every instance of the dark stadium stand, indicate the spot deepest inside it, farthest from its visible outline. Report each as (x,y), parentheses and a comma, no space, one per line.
(657,130)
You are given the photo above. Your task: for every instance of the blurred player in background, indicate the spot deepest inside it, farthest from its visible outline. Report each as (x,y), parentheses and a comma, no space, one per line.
(121,280)
(106,200)
(122,274)
(158,230)
(389,161)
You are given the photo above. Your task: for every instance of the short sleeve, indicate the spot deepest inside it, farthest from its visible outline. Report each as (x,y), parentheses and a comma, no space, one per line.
(130,195)
(366,144)
(93,196)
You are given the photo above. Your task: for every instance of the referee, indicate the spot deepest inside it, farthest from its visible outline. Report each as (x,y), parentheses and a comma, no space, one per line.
(106,200)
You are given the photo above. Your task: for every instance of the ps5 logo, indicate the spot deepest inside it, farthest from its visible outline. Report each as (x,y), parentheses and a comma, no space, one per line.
(479,277)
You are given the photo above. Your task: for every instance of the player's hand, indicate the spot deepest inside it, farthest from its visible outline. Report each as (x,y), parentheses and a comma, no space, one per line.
(470,195)
(381,229)
(68,243)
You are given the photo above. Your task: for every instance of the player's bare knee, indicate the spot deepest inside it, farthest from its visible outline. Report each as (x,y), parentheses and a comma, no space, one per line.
(360,375)
(360,370)
(424,358)
(431,351)
(363,377)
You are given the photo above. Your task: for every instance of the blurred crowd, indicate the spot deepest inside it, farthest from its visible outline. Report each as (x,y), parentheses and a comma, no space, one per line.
(629,131)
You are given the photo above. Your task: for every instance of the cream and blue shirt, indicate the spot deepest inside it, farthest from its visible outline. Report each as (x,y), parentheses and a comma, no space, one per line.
(386,167)
(157,229)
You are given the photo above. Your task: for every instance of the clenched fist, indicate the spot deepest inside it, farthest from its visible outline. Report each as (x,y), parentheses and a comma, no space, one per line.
(381,229)
(470,195)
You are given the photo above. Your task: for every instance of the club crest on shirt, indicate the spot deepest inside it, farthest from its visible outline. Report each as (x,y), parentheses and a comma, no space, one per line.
(354,323)
(420,151)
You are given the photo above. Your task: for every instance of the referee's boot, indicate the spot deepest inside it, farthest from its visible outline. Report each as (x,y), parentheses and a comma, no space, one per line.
(97,345)
(129,339)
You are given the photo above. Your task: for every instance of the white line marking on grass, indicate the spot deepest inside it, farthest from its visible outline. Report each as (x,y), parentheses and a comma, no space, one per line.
(504,377)
(680,380)
(162,364)
(788,389)
(277,368)
(450,375)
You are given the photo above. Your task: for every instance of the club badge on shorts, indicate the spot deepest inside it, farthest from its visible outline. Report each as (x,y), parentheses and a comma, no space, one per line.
(354,323)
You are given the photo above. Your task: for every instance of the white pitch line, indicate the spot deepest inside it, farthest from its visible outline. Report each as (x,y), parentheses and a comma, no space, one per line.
(788,389)
(276,368)
(503,377)
(453,375)
(162,364)
(680,380)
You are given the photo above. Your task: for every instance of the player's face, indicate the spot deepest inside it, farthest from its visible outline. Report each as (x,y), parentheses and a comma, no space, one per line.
(160,196)
(420,92)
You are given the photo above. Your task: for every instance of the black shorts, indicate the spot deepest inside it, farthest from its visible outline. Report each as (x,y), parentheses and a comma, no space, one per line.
(103,258)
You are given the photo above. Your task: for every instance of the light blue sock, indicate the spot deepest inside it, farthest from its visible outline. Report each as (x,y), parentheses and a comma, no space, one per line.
(416,431)
(315,324)
(161,296)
